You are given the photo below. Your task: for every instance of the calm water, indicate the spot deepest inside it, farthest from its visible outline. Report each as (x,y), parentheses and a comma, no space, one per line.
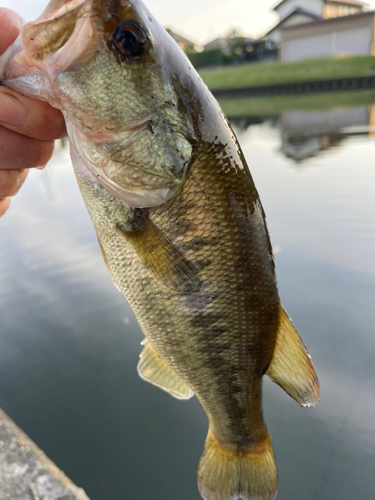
(69,343)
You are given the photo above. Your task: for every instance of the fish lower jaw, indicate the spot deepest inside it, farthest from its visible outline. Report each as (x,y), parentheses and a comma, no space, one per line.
(140,191)
(131,177)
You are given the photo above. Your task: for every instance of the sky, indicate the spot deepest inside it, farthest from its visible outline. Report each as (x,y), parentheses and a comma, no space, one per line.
(197,20)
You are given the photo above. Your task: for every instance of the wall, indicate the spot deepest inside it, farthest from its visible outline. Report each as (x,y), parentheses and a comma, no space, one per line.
(353,36)
(275,35)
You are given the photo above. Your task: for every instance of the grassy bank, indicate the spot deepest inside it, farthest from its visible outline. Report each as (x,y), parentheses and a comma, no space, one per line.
(261,106)
(268,73)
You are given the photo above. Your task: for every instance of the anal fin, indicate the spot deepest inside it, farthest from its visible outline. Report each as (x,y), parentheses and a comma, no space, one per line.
(153,369)
(291,367)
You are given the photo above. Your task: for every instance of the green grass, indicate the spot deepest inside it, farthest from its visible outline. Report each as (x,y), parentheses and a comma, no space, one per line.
(267,73)
(261,106)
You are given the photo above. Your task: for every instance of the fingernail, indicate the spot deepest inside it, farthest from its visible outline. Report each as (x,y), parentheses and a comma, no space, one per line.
(12,111)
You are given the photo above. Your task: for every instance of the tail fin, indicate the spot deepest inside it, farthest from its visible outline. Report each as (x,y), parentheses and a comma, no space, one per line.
(224,474)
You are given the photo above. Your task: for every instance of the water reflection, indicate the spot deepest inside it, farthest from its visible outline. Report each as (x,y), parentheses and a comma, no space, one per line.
(305,134)
(69,343)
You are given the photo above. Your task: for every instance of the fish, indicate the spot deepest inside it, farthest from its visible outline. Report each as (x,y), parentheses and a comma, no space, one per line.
(179,221)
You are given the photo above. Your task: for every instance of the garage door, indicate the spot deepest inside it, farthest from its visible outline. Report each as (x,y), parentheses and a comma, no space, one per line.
(354,41)
(302,48)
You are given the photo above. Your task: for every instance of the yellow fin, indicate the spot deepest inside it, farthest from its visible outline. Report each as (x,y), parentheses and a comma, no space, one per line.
(291,367)
(228,474)
(153,369)
(158,253)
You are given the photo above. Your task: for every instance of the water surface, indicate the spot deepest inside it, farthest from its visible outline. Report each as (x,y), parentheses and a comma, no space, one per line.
(69,343)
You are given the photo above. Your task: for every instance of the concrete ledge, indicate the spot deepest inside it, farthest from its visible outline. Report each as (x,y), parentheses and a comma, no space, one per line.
(25,471)
(302,87)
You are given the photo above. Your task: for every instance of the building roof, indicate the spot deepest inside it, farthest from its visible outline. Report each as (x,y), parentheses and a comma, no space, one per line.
(179,38)
(333,20)
(293,13)
(350,2)
(218,42)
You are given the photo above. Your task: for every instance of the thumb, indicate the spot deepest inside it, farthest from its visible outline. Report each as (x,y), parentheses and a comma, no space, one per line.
(10,25)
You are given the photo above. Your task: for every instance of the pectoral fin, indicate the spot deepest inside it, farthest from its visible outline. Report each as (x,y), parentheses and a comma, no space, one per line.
(153,369)
(291,367)
(163,258)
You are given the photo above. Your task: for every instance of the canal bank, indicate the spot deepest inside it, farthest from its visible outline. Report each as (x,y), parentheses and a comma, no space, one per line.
(299,87)
(274,72)
(276,78)
(25,471)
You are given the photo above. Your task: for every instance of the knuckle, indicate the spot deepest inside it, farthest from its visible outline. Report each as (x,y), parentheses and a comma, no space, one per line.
(11,182)
(34,153)
(44,122)
(43,152)
(19,152)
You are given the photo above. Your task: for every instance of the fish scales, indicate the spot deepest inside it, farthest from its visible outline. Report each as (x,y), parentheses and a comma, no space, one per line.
(219,329)
(179,222)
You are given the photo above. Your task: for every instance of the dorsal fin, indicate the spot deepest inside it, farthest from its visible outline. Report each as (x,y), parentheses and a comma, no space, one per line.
(153,369)
(159,254)
(291,367)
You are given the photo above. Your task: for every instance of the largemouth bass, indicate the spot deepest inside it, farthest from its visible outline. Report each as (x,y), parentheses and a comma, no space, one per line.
(179,222)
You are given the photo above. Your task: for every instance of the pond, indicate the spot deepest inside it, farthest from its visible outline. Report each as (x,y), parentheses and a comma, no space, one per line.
(69,343)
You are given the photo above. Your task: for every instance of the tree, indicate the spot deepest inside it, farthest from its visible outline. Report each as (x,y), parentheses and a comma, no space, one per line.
(236,44)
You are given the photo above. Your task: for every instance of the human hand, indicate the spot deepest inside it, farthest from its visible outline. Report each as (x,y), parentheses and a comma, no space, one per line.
(28,127)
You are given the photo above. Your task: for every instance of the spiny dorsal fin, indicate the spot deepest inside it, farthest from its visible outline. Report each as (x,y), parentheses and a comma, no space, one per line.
(153,369)
(167,263)
(291,366)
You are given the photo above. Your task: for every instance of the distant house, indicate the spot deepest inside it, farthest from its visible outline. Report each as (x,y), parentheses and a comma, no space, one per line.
(218,43)
(339,36)
(297,16)
(294,12)
(249,49)
(184,43)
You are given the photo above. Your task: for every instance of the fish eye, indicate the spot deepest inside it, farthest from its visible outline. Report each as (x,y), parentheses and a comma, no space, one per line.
(128,40)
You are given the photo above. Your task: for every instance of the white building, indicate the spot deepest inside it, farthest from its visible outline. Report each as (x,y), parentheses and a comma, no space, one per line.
(340,36)
(295,12)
